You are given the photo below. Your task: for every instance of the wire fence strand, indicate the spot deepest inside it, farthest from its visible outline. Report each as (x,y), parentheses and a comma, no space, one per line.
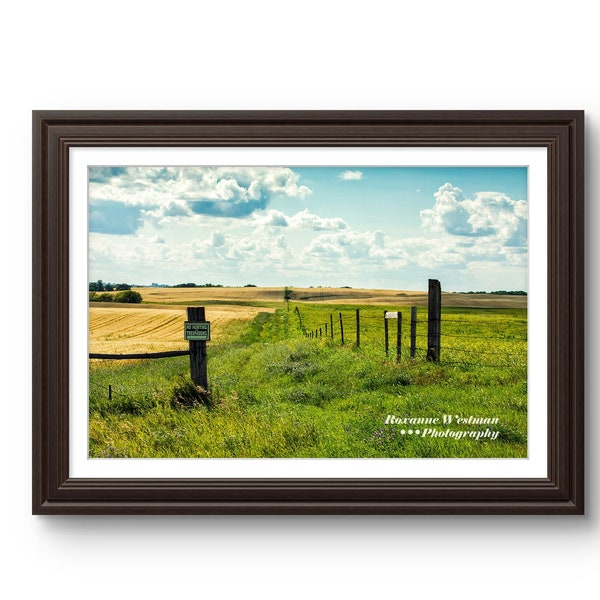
(453,330)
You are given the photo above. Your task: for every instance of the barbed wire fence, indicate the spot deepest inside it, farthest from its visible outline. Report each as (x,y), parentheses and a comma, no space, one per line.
(494,341)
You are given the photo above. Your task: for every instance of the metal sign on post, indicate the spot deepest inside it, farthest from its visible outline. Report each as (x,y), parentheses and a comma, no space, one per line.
(198,331)
(391,315)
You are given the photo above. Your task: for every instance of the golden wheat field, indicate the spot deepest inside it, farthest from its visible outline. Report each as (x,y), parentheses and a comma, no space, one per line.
(403,298)
(326,295)
(193,296)
(150,328)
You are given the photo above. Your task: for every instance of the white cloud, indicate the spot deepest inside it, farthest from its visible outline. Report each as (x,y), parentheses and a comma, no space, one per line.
(178,191)
(353,246)
(259,252)
(306,220)
(217,239)
(301,220)
(492,215)
(272,218)
(350,175)
(116,254)
(456,252)
(487,232)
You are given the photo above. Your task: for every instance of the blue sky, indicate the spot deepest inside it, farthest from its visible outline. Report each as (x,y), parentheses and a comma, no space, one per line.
(372,227)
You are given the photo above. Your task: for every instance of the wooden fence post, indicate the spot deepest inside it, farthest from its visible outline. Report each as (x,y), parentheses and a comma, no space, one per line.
(342,328)
(331,324)
(399,338)
(297,311)
(358,328)
(198,350)
(413,331)
(385,332)
(433,320)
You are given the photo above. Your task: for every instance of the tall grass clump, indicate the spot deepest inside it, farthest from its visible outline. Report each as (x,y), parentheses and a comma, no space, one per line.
(186,394)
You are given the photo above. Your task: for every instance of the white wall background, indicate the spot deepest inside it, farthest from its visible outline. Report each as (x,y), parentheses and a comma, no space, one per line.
(293,55)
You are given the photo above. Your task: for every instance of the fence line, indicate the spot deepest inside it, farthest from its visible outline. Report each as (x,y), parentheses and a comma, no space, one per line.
(111,390)
(370,323)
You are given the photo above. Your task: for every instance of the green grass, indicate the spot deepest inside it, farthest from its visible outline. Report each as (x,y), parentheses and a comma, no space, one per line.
(277,393)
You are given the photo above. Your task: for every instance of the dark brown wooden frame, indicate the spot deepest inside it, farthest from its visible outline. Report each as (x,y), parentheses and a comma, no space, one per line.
(55,132)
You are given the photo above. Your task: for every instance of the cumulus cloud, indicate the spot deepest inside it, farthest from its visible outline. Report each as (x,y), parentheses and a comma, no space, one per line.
(307,220)
(132,255)
(301,220)
(367,247)
(350,175)
(272,218)
(246,252)
(215,246)
(492,215)
(179,191)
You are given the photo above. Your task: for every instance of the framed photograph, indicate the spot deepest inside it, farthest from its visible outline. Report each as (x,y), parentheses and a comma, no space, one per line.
(308,312)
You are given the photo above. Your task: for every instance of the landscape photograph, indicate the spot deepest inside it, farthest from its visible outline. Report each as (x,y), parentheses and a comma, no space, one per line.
(307,312)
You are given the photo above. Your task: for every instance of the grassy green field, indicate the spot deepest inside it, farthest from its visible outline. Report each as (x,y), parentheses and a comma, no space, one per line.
(277,393)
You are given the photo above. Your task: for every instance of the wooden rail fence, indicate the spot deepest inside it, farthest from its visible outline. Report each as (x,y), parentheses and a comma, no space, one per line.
(197,350)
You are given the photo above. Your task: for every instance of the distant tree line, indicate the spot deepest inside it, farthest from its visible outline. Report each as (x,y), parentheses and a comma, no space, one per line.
(125,296)
(501,293)
(100,286)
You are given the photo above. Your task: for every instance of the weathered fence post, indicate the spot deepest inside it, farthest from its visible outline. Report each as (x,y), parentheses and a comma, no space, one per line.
(198,369)
(393,315)
(399,338)
(326,330)
(385,332)
(413,331)
(358,328)
(433,320)
(342,329)
(302,328)
(331,324)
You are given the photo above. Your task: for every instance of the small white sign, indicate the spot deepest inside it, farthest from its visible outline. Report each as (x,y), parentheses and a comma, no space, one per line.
(391,315)
(197,330)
